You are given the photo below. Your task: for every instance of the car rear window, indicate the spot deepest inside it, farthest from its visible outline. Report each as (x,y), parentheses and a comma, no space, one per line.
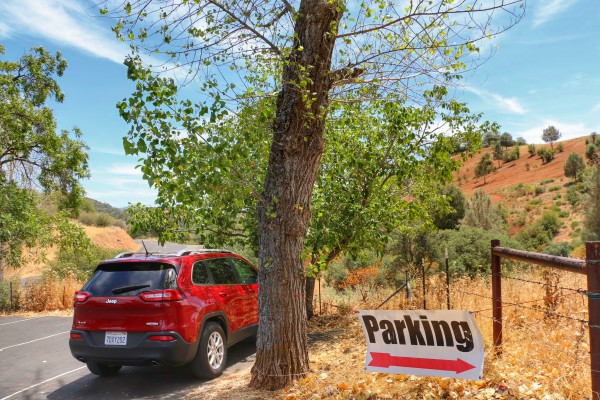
(130,279)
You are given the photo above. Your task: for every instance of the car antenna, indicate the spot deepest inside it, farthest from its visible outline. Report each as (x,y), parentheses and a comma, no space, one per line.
(145,248)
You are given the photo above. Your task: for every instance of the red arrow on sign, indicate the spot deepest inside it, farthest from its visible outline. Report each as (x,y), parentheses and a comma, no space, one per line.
(385,360)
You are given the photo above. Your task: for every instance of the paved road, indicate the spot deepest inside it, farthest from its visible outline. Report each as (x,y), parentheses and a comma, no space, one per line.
(35,363)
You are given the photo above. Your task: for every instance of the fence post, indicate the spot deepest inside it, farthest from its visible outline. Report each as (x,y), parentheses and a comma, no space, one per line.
(424,286)
(447,278)
(592,262)
(497,299)
(11,296)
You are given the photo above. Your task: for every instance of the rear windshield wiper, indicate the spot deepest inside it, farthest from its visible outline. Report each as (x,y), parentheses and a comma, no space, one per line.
(126,289)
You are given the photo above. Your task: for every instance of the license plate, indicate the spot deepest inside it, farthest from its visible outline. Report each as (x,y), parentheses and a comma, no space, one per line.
(115,338)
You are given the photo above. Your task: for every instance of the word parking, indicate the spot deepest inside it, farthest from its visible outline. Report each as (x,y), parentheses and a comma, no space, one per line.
(436,343)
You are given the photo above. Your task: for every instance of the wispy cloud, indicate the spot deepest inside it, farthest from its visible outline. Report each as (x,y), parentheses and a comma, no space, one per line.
(596,107)
(547,10)
(66,22)
(72,23)
(119,184)
(504,104)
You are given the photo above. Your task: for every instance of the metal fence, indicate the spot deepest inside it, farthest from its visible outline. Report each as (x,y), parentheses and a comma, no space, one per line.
(589,267)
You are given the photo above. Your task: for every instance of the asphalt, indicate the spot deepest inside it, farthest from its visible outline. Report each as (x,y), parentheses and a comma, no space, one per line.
(35,363)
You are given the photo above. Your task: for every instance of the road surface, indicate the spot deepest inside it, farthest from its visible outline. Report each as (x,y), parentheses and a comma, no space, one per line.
(35,363)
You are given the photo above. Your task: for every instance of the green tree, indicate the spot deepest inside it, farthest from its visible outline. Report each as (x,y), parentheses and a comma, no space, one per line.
(551,135)
(33,154)
(484,167)
(574,165)
(592,215)
(506,140)
(307,54)
(498,153)
(450,218)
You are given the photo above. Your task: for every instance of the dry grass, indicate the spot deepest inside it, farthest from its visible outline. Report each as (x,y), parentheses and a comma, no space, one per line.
(48,294)
(544,358)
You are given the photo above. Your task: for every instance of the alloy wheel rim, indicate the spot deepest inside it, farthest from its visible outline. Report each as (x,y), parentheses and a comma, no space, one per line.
(215,350)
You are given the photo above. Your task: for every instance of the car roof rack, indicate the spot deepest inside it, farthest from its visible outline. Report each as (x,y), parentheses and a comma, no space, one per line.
(184,252)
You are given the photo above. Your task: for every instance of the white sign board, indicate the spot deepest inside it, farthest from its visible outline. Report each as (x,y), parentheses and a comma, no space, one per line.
(429,343)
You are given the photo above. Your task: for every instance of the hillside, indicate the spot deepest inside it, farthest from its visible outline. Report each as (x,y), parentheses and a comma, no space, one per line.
(528,187)
(111,237)
(524,170)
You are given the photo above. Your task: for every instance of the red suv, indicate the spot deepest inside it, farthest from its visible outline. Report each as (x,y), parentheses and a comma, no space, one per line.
(165,309)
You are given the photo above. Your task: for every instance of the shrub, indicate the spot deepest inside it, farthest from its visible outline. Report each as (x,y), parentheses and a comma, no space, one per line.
(87,218)
(554,188)
(574,166)
(560,147)
(539,190)
(558,203)
(531,150)
(562,249)
(564,214)
(541,232)
(574,224)
(104,220)
(80,262)
(573,197)
(546,181)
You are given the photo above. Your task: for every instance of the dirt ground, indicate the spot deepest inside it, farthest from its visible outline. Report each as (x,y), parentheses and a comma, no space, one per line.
(516,172)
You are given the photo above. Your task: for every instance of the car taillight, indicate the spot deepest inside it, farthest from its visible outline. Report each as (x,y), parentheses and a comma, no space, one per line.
(162,338)
(80,297)
(74,335)
(162,295)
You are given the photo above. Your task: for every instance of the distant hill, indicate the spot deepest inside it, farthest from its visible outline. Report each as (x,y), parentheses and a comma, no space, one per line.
(525,170)
(107,209)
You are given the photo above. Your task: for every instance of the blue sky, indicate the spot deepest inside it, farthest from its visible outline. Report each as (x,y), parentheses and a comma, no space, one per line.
(545,71)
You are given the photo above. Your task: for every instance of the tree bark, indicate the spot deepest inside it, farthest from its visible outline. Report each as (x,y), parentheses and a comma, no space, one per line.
(310,292)
(284,213)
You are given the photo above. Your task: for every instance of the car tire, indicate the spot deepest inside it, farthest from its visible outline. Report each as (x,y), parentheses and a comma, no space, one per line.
(103,369)
(211,355)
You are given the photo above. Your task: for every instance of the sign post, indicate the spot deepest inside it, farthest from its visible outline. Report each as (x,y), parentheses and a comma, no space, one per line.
(423,342)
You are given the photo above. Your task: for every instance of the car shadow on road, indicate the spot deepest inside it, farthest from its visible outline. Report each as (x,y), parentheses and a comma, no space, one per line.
(150,382)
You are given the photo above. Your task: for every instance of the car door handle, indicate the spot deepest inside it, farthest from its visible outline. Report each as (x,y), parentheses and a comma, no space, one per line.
(223,294)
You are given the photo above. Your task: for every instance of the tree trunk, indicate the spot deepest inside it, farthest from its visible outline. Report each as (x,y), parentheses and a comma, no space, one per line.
(284,213)
(310,292)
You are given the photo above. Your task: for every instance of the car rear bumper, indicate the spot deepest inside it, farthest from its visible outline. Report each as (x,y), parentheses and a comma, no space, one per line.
(140,350)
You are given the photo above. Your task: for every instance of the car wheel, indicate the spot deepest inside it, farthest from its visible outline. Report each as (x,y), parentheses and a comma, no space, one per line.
(103,369)
(211,355)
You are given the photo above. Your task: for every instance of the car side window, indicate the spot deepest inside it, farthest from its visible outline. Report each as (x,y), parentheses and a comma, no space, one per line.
(200,274)
(222,272)
(247,273)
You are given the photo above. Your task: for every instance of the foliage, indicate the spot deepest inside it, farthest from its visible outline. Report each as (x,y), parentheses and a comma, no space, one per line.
(550,135)
(531,150)
(562,249)
(482,213)
(457,202)
(592,215)
(34,155)
(309,54)
(98,206)
(484,167)
(506,140)
(574,165)
(511,155)
(560,147)
(469,249)
(592,153)
(490,139)
(80,261)
(498,153)
(521,141)
(546,155)
(541,232)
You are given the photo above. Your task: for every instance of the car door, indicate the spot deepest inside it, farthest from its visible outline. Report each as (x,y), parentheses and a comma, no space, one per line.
(248,277)
(226,289)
